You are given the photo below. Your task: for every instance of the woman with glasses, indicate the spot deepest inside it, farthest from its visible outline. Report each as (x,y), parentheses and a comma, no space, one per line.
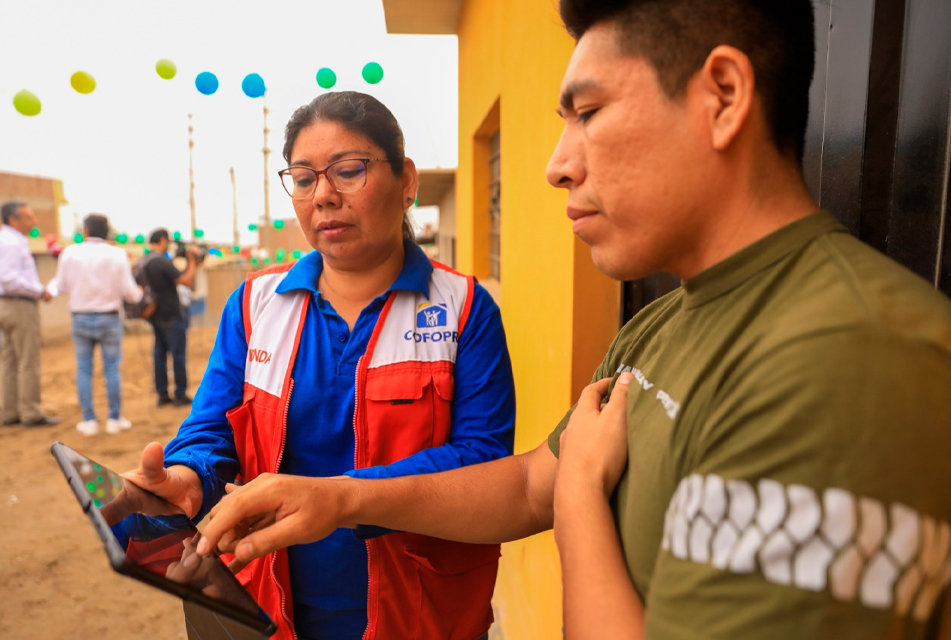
(363,359)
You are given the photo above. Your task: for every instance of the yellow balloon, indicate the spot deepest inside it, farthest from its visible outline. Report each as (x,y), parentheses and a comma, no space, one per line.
(166,69)
(83,82)
(26,103)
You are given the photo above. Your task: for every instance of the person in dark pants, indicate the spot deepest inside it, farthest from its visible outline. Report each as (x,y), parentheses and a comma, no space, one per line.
(169,322)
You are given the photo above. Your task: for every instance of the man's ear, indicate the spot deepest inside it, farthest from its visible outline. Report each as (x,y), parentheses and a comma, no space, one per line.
(727,85)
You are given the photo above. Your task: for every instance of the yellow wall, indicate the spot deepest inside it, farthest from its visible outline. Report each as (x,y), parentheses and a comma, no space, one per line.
(560,314)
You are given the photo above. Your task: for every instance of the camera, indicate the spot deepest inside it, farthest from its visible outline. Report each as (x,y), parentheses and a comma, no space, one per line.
(181,251)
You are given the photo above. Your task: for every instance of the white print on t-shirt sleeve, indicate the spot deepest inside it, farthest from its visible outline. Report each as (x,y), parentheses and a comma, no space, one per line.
(883,556)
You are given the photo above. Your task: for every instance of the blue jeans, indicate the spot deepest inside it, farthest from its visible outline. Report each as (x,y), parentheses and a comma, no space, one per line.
(104,329)
(170,338)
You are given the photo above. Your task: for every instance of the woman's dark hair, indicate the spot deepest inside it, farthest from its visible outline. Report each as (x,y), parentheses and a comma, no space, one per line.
(96,225)
(676,36)
(359,113)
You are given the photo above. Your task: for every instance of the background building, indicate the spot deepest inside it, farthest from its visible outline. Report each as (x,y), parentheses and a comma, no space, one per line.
(44,195)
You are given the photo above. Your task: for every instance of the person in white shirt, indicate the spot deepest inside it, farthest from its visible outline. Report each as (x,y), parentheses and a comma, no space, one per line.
(98,277)
(20,288)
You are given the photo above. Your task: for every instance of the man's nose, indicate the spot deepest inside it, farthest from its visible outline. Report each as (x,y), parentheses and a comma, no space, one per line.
(564,167)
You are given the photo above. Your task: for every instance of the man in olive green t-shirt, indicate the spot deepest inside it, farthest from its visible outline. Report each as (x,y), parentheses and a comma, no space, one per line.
(772,462)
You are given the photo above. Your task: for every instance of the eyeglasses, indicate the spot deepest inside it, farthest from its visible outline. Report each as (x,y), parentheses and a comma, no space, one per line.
(346,176)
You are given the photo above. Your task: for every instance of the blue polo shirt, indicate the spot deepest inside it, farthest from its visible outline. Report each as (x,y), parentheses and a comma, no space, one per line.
(329,578)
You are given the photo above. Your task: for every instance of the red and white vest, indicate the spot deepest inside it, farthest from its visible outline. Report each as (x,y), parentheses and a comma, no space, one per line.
(419,587)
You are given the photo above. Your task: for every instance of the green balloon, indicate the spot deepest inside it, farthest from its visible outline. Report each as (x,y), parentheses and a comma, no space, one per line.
(176,235)
(122,238)
(254,260)
(236,249)
(278,224)
(326,78)
(82,82)
(26,103)
(252,227)
(280,254)
(78,238)
(372,72)
(35,232)
(267,261)
(198,233)
(296,255)
(146,250)
(166,69)
(140,239)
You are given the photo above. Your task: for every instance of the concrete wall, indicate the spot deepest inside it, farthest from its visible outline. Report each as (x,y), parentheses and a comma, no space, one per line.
(560,314)
(446,235)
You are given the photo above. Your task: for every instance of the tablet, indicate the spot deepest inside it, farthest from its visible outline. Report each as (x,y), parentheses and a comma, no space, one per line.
(153,541)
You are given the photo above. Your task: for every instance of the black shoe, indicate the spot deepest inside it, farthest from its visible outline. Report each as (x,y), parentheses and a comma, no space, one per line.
(11,422)
(181,401)
(43,421)
(164,400)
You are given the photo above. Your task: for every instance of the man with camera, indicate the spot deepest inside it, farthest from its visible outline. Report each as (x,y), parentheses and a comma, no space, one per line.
(169,322)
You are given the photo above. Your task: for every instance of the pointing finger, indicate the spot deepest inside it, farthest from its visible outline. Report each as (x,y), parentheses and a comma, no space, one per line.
(618,401)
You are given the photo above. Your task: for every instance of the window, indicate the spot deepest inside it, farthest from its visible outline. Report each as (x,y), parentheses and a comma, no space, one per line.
(495,209)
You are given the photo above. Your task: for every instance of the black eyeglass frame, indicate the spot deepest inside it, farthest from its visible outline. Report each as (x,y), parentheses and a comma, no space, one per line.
(323,172)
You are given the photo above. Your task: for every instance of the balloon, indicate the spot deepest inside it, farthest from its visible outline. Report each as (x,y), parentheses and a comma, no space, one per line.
(140,239)
(122,238)
(215,251)
(26,103)
(53,246)
(176,235)
(236,249)
(83,82)
(253,85)
(166,69)
(198,233)
(254,260)
(278,224)
(280,254)
(326,78)
(372,72)
(78,238)
(296,254)
(252,227)
(34,232)
(206,83)
(146,251)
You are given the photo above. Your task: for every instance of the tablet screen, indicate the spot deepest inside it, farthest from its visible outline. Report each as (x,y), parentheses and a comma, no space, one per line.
(154,541)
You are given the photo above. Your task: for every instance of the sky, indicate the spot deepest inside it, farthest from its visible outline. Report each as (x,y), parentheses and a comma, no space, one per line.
(122,150)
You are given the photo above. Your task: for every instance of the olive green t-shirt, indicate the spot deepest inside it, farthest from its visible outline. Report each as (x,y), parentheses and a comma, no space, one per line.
(789,445)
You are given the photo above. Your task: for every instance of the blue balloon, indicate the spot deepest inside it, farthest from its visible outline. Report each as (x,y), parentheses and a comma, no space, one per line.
(253,85)
(206,83)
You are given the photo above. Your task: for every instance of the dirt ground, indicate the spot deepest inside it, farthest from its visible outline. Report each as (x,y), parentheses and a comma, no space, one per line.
(55,580)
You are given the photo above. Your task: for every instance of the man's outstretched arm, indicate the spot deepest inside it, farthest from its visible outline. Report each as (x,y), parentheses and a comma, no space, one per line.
(495,501)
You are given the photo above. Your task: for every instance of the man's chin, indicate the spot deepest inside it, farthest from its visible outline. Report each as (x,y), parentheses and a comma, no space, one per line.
(618,270)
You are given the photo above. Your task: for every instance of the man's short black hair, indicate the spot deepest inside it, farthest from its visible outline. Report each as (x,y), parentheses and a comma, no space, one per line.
(676,36)
(158,235)
(10,210)
(96,225)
